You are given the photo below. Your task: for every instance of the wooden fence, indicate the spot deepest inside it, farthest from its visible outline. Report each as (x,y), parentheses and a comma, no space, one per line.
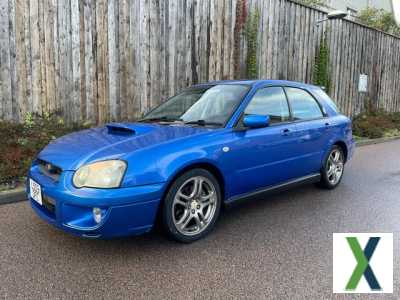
(112,60)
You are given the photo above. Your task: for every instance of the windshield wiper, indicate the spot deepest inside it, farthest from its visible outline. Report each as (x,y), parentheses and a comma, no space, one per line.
(203,123)
(169,119)
(161,119)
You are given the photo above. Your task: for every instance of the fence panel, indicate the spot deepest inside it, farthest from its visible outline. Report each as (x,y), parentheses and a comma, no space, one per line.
(113,60)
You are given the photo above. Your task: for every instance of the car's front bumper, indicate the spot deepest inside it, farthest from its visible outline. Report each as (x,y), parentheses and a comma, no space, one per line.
(125,211)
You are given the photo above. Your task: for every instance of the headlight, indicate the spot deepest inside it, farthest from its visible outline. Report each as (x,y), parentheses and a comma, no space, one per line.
(103,174)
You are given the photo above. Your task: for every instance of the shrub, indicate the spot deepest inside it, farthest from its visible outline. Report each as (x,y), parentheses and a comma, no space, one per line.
(314,3)
(376,124)
(20,143)
(395,117)
(251,32)
(379,19)
(321,68)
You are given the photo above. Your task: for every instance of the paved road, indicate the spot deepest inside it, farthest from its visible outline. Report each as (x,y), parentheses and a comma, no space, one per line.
(280,247)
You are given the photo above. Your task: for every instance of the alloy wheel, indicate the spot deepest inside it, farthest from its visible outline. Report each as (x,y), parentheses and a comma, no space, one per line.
(335,166)
(194,205)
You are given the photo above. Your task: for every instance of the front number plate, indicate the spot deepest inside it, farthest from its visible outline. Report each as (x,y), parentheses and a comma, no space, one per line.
(36,191)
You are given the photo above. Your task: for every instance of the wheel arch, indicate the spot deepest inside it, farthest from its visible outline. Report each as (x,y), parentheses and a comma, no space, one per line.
(344,148)
(206,165)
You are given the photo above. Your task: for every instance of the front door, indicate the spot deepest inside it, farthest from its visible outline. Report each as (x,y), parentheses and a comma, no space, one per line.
(265,156)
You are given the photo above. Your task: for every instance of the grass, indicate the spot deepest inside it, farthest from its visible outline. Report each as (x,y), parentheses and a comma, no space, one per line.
(20,143)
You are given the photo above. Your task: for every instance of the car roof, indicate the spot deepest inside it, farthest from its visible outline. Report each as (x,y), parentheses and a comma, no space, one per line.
(259,83)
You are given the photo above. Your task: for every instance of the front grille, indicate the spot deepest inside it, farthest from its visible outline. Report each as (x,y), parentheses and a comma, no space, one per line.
(49,170)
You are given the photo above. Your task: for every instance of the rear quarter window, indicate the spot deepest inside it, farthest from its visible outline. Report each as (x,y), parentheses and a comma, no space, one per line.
(322,95)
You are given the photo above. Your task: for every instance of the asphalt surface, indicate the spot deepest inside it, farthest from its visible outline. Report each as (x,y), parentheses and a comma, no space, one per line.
(279,248)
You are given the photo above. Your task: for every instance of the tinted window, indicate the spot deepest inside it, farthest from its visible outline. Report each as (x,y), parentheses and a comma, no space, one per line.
(304,106)
(269,101)
(212,104)
(320,93)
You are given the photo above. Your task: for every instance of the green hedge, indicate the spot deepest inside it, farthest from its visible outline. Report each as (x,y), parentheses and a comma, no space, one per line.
(376,125)
(20,143)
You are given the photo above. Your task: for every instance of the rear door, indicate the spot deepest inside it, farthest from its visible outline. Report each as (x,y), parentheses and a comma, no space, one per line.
(312,128)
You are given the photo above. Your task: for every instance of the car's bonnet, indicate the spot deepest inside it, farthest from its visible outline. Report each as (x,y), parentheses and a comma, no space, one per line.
(112,141)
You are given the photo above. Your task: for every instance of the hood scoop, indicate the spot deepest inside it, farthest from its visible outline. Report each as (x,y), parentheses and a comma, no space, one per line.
(120,128)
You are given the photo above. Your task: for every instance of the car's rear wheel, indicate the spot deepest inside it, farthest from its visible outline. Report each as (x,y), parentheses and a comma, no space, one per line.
(192,206)
(333,168)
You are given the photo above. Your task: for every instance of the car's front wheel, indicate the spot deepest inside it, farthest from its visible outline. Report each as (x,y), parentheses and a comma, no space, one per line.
(333,168)
(191,206)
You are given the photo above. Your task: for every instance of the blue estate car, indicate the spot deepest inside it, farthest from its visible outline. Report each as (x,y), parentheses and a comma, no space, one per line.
(210,145)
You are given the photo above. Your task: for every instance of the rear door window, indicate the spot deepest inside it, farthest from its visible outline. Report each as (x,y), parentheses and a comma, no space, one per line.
(304,106)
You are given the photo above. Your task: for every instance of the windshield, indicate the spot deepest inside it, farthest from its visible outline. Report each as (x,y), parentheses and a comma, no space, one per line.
(211,105)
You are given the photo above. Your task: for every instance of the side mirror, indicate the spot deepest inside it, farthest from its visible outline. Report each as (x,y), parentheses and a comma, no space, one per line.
(256,121)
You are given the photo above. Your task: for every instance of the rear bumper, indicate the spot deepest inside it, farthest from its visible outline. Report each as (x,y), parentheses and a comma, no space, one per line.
(125,211)
(351,146)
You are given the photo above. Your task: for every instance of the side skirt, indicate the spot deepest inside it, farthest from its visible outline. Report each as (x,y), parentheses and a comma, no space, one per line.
(313,178)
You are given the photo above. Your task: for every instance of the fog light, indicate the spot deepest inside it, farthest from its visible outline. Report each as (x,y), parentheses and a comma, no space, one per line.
(97,214)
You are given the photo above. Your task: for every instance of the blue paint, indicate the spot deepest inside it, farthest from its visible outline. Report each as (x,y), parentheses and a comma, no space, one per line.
(155,153)
(256,121)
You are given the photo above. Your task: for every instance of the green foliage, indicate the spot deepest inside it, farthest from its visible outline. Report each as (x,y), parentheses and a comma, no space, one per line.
(251,32)
(20,143)
(376,124)
(379,19)
(314,3)
(321,67)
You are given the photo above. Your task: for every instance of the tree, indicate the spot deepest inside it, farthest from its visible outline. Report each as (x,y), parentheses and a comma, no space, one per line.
(379,19)
(314,3)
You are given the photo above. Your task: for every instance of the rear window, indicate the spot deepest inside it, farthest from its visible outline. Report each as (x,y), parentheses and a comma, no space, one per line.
(321,94)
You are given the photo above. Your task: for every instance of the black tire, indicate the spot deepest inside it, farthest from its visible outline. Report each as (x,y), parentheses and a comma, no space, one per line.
(327,181)
(171,208)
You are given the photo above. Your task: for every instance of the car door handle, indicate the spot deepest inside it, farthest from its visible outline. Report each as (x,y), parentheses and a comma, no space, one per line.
(286,132)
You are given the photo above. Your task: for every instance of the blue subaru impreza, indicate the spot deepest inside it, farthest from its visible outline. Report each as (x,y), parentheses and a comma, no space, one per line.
(210,145)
